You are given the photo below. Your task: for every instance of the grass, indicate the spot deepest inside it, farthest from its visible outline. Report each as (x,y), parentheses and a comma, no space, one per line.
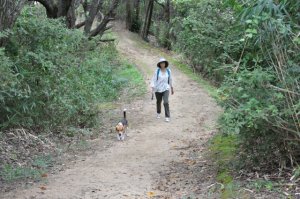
(212,91)
(43,162)
(262,184)
(136,85)
(106,106)
(109,35)
(11,174)
(223,151)
(40,165)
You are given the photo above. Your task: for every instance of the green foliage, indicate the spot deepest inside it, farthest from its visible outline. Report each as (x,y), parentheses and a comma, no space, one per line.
(224,177)
(209,43)
(136,84)
(43,162)
(53,77)
(39,166)
(162,34)
(10,174)
(261,98)
(136,25)
(223,150)
(262,184)
(296,173)
(250,106)
(251,49)
(194,76)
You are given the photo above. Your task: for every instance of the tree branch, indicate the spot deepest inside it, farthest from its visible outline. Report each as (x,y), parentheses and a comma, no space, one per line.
(162,5)
(79,25)
(101,28)
(97,4)
(108,27)
(47,4)
(107,40)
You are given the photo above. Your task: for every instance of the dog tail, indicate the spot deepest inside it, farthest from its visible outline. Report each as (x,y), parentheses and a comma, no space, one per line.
(124,113)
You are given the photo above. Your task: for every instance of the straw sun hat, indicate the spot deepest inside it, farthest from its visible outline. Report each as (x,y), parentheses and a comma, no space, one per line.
(162,60)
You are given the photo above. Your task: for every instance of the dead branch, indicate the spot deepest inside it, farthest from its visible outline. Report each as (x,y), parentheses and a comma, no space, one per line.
(101,28)
(79,25)
(107,40)
(162,5)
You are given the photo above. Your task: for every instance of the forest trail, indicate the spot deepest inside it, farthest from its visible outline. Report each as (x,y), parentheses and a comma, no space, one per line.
(159,159)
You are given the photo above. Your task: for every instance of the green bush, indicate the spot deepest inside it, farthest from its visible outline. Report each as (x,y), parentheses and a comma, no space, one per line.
(136,25)
(162,34)
(250,108)
(261,99)
(252,51)
(52,76)
(10,174)
(205,34)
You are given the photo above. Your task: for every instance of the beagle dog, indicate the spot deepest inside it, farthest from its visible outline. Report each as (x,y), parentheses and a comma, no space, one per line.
(121,127)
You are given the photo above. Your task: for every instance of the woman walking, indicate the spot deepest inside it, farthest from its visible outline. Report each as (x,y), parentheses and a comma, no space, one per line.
(161,85)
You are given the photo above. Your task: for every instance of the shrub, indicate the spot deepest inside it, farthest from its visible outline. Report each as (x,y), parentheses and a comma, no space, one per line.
(252,51)
(53,76)
(162,34)
(209,43)
(261,99)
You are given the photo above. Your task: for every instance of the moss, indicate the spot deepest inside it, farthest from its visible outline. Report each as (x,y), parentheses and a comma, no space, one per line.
(224,177)
(223,152)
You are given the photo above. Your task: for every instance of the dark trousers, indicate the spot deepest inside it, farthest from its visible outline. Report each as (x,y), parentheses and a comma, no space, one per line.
(163,96)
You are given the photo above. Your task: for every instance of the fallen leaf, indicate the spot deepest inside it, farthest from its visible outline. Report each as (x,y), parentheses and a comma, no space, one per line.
(44,175)
(190,162)
(43,188)
(150,194)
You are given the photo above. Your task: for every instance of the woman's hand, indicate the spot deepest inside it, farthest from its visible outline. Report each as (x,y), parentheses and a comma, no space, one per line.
(172,91)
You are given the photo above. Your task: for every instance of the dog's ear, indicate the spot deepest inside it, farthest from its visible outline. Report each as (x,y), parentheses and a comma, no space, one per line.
(119,127)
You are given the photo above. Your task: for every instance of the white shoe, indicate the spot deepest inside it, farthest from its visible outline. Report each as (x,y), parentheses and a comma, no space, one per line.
(158,116)
(167,119)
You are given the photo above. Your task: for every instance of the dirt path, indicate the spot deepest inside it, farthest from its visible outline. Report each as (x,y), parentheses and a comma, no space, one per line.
(161,157)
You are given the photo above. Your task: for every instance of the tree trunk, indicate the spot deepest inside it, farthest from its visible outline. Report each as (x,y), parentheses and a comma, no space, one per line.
(9,11)
(128,14)
(133,15)
(167,11)
(94,9)
(147,21)
(60,8)
(167,16)
(71,15)
(102,27)
(137,9)
(86,7)
(66,9)
(136,26)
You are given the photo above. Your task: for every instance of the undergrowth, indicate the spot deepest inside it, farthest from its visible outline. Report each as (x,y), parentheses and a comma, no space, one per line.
(38,168)
(223,151)
(135,86)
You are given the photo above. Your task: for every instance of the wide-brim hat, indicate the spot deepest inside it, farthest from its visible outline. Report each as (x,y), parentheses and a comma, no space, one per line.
(162,60)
